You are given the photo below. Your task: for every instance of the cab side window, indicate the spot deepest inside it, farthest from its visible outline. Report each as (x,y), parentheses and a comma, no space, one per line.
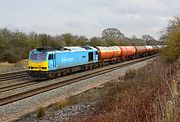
(50,57)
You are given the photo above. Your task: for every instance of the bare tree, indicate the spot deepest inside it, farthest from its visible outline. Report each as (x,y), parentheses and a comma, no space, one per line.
(148,39)
(112,33)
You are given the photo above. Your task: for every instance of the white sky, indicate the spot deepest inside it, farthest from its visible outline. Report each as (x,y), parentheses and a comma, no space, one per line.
(88,17)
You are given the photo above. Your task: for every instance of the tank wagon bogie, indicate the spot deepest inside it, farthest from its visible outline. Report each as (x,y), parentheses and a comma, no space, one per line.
(50,62)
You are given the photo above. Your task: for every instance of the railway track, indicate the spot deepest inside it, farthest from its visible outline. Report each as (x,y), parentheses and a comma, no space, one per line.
(82,76)
(16,86)
(13,75)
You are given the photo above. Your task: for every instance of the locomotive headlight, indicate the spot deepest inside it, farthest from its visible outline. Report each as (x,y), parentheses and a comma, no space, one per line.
(30,67)
(44,68)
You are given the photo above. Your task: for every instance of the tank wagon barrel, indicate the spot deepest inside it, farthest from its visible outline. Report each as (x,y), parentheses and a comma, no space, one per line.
(140,49)
(127,50)
(149,48)
(108,52)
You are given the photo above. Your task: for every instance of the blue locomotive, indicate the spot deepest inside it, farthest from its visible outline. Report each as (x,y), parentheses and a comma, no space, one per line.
(52,62)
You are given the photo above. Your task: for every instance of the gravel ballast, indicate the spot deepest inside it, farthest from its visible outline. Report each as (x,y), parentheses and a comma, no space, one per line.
(14,110)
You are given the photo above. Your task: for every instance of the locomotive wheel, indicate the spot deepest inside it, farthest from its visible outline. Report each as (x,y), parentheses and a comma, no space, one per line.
(59,74)
(50,75)
(64,73)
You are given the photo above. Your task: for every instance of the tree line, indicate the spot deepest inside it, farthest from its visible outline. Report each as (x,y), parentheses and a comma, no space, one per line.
(15,45)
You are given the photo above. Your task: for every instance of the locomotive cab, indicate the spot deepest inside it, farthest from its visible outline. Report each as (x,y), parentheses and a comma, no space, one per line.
(38,61)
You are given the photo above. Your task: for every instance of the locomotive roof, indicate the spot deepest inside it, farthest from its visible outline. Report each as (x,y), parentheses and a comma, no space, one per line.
(77,48)
(71,48)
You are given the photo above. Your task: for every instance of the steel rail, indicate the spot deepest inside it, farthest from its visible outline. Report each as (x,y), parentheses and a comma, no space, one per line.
(13,75)
(16,85)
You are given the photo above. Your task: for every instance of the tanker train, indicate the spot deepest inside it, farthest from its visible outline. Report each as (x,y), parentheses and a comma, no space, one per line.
(52,62)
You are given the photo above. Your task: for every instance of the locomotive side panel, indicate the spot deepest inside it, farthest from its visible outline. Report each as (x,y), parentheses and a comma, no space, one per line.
(75,58)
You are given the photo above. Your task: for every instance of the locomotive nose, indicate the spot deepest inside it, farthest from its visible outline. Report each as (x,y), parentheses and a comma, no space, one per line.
(38,66)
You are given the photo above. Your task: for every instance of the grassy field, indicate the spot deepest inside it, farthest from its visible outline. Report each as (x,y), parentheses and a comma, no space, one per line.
(9,67)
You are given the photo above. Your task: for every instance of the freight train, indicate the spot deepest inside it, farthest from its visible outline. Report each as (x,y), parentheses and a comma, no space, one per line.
(55,62)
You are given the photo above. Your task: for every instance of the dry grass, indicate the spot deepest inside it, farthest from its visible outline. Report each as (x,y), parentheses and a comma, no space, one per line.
(147,97)
(8,67)
(62,103)
(130,74)
(40,112)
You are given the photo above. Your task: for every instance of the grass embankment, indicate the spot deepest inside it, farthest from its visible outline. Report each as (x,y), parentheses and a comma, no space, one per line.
(146,95)
(149,94)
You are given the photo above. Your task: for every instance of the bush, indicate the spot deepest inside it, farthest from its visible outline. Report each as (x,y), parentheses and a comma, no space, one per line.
(40,112)
(11,56)
(130,74)
(172,52)
(62,103)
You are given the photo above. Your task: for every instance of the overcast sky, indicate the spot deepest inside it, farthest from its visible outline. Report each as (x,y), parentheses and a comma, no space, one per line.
(88,17)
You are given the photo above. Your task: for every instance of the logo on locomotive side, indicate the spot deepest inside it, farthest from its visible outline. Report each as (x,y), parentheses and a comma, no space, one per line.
(66,59)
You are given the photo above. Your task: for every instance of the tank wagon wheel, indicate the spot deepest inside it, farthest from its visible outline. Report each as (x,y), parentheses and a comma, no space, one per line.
(118,60)
(110,62)
(114,61)
(123,59)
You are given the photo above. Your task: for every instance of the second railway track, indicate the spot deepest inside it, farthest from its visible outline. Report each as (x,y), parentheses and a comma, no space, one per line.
(16,85)
(77,77)
(13,75)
